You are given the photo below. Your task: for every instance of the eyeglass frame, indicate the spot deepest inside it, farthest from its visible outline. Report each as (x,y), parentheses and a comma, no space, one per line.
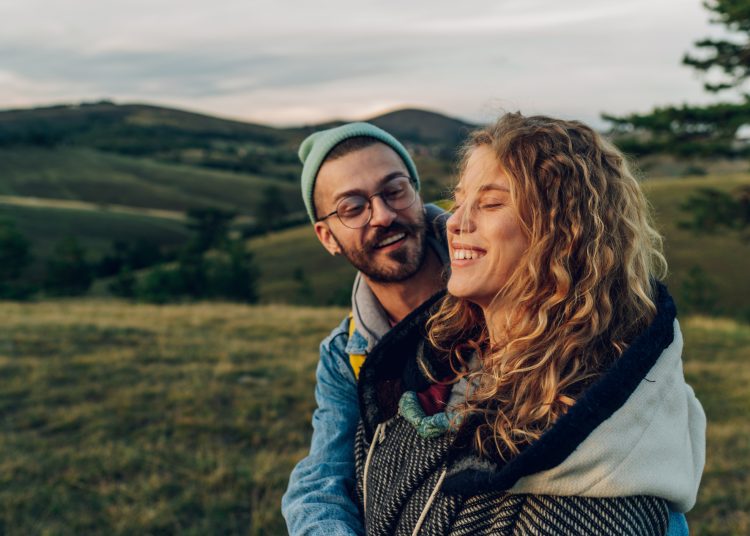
(368,200)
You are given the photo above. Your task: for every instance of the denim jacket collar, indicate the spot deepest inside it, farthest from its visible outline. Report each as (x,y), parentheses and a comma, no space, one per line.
(370,318)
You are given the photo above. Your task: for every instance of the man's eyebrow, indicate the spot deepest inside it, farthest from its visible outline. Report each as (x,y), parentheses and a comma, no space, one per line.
(387,178)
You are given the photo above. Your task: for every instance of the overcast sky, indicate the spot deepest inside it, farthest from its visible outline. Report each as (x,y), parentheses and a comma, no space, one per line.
(292,62)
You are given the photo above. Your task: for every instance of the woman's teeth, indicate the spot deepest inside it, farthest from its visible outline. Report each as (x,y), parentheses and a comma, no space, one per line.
(390,240)
(467,254)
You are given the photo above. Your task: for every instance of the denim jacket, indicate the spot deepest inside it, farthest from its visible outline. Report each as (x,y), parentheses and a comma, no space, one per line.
(318,499)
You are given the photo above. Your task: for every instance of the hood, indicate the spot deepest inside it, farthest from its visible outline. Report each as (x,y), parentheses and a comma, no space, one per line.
(369,316)
(654,444)
(637,430)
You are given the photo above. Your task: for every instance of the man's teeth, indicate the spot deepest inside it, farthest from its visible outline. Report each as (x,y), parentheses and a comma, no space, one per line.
(466,254)
(391,239)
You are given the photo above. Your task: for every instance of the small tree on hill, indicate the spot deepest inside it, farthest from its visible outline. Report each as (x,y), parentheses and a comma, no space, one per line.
(211,227)
(233,274)
(698,292)
(124,284)
(68,272)
(15,257)
(212,265)
(305,292)
(713,210)
(271,208)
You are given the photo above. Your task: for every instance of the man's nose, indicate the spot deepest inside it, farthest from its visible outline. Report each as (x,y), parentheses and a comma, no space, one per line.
(382,214)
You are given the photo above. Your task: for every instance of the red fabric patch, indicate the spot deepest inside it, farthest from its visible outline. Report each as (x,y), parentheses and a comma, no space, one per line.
(434,398)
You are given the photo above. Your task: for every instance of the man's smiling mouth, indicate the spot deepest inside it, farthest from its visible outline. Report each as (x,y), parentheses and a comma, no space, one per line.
(390,240)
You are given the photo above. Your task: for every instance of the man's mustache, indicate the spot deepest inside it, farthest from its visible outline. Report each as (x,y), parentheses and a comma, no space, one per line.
(394,228)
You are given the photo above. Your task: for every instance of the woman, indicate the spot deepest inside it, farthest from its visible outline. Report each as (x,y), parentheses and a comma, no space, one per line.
(544,394)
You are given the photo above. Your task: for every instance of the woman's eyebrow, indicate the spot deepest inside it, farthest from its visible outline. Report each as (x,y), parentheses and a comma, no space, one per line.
(493,187)
(484,188)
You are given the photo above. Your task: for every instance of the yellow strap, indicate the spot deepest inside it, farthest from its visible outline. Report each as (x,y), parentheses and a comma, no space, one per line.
(355,360)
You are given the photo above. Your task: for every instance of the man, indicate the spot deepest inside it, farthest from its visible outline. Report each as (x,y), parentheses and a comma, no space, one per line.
(361,191)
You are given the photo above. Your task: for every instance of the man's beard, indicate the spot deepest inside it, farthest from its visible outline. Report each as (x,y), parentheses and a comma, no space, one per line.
(408,260)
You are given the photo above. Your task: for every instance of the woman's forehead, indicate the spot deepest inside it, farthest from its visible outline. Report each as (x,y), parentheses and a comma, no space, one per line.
(482,173)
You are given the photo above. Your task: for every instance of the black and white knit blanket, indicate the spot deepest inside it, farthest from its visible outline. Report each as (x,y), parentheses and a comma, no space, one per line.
(403,477)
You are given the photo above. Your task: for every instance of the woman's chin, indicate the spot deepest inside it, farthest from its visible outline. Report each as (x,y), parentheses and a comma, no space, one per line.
(460,291)
(455,289)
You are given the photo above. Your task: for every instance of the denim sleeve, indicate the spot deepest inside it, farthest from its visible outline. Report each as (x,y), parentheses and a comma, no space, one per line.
(677,525)
(318,497)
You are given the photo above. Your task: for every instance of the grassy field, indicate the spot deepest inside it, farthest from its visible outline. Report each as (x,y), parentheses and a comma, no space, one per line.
(103,178)
(140,419)
(136,419)
(723,257)
(281,253)
(95,229)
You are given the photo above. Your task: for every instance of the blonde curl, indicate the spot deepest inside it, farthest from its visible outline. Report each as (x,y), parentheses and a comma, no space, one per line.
(582,291)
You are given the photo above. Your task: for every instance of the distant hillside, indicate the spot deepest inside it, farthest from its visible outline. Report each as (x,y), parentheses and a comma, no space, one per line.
(107,124)
(104,159)
(197,139)
(96,230)
(295,268)
(95,176)
(423,127)
(420,129)
(161,133)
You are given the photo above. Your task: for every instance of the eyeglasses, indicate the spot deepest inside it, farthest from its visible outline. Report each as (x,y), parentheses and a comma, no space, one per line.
(355,211)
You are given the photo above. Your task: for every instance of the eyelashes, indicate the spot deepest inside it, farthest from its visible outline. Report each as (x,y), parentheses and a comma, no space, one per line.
(487,205)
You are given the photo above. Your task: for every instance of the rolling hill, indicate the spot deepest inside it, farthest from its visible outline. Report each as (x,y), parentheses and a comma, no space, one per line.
(132,168)
(108,161)
(95,176)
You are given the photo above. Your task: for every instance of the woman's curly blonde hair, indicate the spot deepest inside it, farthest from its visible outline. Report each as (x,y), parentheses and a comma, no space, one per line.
(581,292)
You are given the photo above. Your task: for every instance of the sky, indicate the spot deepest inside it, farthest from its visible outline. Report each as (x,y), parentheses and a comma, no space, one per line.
(285,62)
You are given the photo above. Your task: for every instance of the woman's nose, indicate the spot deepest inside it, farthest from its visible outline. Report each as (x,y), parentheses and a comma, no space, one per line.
(460,221)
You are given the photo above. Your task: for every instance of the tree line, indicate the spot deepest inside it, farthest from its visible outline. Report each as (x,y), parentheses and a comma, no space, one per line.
(708,131)
(213,264)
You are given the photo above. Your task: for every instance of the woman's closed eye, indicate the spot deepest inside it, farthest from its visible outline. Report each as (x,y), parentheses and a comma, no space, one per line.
(490,203)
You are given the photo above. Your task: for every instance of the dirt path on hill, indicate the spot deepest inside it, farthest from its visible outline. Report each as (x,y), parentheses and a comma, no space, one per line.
(68,204)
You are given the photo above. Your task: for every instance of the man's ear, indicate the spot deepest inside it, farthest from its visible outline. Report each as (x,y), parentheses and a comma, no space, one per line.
(323,232)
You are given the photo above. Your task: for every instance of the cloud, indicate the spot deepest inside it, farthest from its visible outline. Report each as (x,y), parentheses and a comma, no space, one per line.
(190,72)
(275,58)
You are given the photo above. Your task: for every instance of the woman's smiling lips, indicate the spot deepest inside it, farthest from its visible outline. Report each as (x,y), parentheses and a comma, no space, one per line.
(465,254)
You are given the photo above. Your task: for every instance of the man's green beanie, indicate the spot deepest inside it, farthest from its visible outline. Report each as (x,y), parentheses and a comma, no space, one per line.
(315,148)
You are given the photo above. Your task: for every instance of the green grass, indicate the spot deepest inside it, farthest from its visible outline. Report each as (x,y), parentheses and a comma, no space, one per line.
(136,419)
(152,420)
(279,254)
(725,259)
(717,365)
(104,178)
